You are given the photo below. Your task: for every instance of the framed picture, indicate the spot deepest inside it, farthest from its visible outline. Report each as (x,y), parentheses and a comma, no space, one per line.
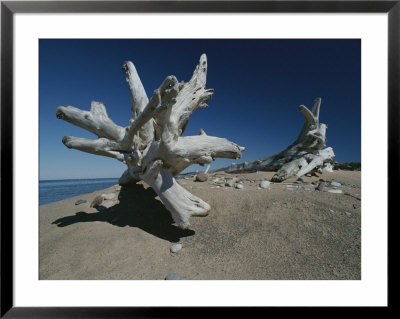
(263,56)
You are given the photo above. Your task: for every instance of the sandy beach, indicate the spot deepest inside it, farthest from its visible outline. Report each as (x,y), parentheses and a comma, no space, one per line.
(278,233)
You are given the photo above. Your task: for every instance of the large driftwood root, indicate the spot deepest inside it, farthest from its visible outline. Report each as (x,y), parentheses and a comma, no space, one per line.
(152,146)
(306,154)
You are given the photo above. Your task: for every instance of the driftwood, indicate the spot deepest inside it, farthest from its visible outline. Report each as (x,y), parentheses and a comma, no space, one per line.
(303,156)
(152,146)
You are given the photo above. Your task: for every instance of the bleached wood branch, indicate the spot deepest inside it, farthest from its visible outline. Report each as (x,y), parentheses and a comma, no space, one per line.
(179,202)
(138,94)
(95,121)
(162,98)
(101,146)
(305,154)
(192,95)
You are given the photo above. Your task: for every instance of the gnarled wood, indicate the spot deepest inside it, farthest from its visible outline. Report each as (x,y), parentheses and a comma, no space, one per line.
(304,155)
(152,146)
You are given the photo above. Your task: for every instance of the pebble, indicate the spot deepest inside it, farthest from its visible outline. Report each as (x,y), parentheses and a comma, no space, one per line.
(239,186)
(336,184)
(264,184)
(230,182)
(108,196)
(173,276)
(331,210)
(175,248)
(335,191)
(107,203)
(351,230)
(97,201)
(292,187)
(201,177)
(347,214)
(320,186)
(219,181)
(299,252)
(80,201)
(300,180)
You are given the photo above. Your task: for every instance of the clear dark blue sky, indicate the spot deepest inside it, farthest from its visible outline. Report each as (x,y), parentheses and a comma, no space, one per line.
(258,85)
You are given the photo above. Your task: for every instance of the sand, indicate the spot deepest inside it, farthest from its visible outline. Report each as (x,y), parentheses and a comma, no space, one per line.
(250,234)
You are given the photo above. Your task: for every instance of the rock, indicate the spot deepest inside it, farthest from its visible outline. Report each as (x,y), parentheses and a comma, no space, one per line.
(97,201)
(201,177)
(331,210)
(173,276)
(308,175)
(108,196)
(218,180)
(80,201)
(230,182)
(239,186)
(292,187)
(347,214)
(322,180)
(300,180)
(107,203)
(299,252)
(335,191)
(175,248)
(320,186)
(264,184)
(335,184)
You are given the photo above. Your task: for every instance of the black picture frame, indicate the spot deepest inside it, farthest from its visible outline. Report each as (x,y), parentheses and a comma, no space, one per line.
(9,8)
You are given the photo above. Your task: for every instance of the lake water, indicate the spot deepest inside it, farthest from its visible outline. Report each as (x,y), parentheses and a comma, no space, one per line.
(55,190)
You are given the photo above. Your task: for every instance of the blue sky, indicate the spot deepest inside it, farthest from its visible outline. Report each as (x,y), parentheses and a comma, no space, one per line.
(258,85)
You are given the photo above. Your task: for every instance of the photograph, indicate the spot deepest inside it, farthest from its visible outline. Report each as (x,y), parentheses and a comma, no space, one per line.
(199,159)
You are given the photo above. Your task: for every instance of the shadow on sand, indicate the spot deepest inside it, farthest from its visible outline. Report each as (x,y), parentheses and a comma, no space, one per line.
(137,207)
